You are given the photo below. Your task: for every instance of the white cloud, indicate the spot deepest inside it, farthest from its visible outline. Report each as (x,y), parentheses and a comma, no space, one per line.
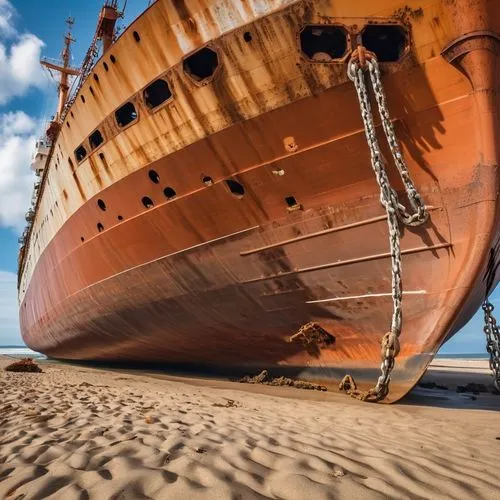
(9,319)
(15,123)
(6,15)
(17,140)
(20,69)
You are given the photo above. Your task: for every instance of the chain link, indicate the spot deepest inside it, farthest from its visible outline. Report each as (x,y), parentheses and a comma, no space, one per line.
(395,210)
(492,341)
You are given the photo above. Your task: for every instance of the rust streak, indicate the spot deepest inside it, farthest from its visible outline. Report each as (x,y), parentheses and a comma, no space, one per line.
(95,171)
(79,185)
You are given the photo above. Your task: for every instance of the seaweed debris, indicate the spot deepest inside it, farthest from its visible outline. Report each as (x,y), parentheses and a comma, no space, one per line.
(473,387)
(24,365)
(230,403)
(432,385)
(264,378)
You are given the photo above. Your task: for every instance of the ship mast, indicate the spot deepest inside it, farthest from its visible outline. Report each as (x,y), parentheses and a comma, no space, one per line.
(64,69)
(105,32)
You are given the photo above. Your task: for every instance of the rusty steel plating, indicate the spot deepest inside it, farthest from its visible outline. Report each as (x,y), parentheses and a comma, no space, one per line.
(492,341)
(396,211)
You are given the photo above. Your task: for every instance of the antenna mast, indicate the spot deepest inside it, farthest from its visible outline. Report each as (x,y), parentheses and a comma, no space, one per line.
(105,32)
(64,68)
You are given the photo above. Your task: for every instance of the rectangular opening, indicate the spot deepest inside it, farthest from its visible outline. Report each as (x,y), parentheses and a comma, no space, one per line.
(126,114)
(95,139)
(80,153)
(291,203)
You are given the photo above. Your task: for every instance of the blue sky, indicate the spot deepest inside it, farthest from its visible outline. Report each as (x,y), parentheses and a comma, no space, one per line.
(28,29)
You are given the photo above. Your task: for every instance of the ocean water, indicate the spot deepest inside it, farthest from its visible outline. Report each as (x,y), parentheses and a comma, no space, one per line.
(20,352)
(480,355)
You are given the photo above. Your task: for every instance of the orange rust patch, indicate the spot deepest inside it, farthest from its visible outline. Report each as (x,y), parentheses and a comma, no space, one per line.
(78,185)
(95,171)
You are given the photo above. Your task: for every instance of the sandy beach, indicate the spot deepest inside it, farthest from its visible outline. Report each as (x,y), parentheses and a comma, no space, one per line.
(74,432)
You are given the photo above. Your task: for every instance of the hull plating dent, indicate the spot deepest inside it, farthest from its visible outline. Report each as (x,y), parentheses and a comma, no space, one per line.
(212,229)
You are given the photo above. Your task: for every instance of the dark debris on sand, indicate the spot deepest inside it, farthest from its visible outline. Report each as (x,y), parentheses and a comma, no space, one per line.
(24,365)
(264,378)
(473,387)
(432,385)
(230,403)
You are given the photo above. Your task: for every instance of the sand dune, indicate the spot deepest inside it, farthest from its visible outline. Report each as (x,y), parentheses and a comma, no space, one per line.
(79,433)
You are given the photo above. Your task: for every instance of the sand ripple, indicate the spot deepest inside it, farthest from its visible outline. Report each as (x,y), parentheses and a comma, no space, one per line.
(75,433)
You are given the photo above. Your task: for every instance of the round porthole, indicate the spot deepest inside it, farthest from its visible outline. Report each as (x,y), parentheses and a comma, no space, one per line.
(169,193)
(147,202)
(154,176)
(207,180)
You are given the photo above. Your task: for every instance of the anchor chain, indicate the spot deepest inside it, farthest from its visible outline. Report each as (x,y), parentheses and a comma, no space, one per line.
(361,62)
(492,341)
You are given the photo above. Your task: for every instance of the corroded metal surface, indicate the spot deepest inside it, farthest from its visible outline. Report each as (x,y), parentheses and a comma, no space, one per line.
(211,278)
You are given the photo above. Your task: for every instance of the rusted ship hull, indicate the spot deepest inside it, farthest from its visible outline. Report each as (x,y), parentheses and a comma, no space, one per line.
(152,256)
